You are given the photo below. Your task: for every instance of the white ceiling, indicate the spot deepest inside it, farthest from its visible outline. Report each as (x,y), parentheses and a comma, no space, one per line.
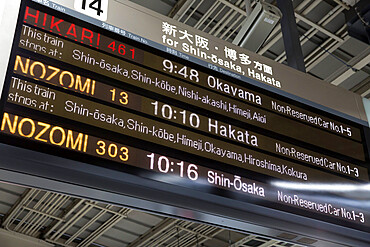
(329,53)
(63,220)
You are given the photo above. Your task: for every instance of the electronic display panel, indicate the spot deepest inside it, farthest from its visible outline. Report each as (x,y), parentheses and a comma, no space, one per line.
(82,92)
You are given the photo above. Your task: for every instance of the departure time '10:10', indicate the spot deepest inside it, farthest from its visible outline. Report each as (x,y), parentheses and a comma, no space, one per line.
(166,111)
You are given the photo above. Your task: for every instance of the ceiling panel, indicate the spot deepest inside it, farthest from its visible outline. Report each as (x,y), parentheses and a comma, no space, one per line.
(322,30)
(138,229)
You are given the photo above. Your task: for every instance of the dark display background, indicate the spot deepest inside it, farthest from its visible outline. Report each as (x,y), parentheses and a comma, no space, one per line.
(139,149)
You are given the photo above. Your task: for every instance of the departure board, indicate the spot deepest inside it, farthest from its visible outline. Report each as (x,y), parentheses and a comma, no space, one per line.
(84,92)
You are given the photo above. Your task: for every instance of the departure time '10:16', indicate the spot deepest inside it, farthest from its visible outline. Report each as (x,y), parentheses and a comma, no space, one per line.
(164,164)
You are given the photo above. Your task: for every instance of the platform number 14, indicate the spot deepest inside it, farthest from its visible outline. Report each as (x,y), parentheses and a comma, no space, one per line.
(94,8)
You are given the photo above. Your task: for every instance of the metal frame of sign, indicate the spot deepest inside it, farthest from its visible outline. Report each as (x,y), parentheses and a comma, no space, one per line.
(30,168)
